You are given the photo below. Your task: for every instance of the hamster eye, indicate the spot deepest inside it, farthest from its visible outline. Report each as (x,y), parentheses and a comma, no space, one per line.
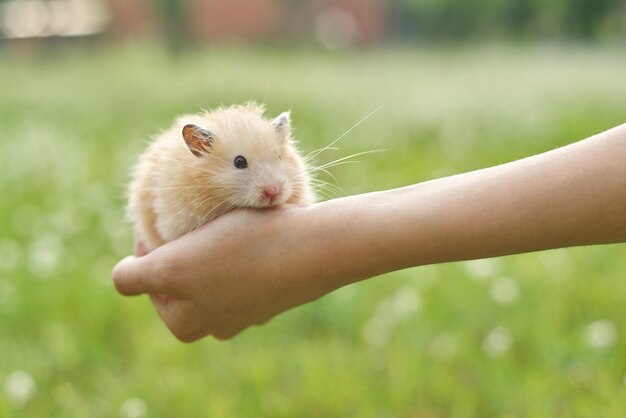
(241,162)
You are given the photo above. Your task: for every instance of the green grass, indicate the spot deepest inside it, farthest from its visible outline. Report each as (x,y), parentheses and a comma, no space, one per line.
(426,342)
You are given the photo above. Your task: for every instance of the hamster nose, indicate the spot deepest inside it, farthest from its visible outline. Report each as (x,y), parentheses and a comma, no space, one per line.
(271,192)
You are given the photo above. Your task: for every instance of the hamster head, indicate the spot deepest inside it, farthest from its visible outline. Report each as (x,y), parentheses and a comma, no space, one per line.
(245,159)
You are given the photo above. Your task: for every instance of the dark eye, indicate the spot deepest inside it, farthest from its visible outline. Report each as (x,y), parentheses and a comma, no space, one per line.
(241,162)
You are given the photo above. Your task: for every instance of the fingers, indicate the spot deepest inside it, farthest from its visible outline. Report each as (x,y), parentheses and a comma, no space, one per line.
(135,276)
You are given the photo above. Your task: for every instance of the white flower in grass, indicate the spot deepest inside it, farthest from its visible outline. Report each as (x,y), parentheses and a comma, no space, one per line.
(376,332)
(600,334)
(558,263)
(504,291)
(404,303)
(19,387)
(498,341)
(45,256)
(133,408)
(481,270)
(389,312)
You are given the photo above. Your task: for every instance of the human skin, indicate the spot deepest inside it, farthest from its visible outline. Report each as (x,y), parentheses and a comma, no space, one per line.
(249,265)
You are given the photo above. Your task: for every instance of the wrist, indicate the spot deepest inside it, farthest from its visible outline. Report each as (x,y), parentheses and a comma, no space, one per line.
(346,240)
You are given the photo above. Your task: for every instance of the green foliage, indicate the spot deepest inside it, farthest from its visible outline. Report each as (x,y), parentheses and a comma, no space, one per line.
(459,19)
(173,14)
(525,336)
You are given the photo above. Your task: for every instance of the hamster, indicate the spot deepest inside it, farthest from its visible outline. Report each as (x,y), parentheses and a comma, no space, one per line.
(210,163)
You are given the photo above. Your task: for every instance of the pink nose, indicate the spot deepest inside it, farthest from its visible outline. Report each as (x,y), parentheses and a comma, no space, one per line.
(271,192)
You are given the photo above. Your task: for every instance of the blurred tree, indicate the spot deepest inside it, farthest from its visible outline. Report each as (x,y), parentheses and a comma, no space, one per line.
(584,17)
(174,15)
(460,19)
(518,16)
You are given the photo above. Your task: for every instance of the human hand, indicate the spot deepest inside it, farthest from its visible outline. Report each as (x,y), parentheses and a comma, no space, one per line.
(239,270)
(247,266)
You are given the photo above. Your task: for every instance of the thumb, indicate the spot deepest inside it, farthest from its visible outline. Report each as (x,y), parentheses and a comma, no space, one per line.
(134,276)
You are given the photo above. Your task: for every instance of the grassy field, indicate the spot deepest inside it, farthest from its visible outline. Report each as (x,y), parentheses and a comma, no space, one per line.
(536,335)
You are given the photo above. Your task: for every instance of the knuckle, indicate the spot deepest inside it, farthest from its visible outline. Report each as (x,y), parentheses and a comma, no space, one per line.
(224,335)
(181,325)
(186,338)
(184,335)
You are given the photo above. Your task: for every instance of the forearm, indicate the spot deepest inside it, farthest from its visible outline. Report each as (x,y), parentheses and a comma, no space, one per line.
(248,266)
(575,195)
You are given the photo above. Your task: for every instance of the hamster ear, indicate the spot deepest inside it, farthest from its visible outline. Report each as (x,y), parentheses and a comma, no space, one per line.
(198,139)
(282,123)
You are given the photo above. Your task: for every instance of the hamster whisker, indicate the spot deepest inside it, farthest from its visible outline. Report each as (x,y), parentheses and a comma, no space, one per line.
(310,157)
(325,193)
(334,164)
(347,157)
(328,186)
(325,196)
(327,190)
(329,173)
(316,153)
(321,184)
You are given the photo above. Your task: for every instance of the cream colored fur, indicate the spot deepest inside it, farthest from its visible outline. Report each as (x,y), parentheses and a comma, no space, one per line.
(173,192)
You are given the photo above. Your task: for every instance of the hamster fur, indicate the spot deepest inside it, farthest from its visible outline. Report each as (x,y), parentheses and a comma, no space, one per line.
(210,163)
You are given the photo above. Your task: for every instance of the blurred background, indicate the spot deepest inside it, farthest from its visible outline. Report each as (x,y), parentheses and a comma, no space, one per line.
(333,23)
(85,84)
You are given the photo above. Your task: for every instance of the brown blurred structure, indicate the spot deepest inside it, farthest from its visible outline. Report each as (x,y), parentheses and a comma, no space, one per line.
(351,21)
(135,18)
(235,19)
(334,23)
(368,17)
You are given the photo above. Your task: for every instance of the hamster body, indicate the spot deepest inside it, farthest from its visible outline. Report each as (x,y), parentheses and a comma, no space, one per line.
(210,163)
